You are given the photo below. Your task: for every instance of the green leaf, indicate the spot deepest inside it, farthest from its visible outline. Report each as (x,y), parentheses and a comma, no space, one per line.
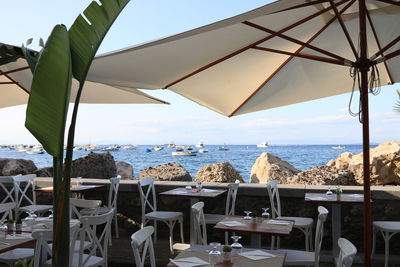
(86,38)
(397,105)
(50,92)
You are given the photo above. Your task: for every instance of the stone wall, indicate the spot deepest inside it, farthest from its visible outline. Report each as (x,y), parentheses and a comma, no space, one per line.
(386,206)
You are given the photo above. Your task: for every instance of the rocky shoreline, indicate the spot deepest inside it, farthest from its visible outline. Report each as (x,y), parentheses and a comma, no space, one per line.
(344,170)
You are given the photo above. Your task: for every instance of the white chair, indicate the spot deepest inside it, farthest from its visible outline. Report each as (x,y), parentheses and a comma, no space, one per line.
(302,223)
(148,201)
(142,239)
(12,256)
(96,254)
(112,203)
(43,248)
(199,228)
(299,257)
(229,208)
(347,253)
(24,187)
(90,207)
(7,187)
(388,229)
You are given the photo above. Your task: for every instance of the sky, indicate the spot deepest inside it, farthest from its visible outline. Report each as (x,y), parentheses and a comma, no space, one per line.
(323,121)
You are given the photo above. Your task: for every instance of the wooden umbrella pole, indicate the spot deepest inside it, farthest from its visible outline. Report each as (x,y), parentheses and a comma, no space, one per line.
(364,68)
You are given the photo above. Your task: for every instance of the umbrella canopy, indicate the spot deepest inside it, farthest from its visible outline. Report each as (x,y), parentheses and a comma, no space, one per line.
(283,53)
(16,78)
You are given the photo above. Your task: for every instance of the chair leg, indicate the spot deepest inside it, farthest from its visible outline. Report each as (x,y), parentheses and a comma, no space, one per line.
(272,242)
(171,236)
(226,238)
(155,231)
(181,227)
(116,226)
(310,234)
(278,242)
(387,238)
(373,242)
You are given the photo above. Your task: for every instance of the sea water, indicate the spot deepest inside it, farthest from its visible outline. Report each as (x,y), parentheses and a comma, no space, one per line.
(242,157)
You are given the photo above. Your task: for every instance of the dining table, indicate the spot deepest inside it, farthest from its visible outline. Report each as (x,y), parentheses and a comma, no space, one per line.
(76,190)
(194,195)
(199,255)
(256,227)
(15,240)
(336,201)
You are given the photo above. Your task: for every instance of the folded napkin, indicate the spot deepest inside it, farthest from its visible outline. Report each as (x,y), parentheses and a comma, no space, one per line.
(316,198)
(209,190)
(257,255)
(277,225)
(188,262)
(232,223)
(279,222)
(19,236)
(356,195)
(180,191)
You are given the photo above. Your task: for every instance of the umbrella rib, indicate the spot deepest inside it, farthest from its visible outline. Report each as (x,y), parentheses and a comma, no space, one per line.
(388,56)
(289,59)
(7,82)
(390,2)
(302,5)
(346,32)
(14,70)
(389,45)
(303,55)
(379,45)
(14,81)
(297,23)
(293,40)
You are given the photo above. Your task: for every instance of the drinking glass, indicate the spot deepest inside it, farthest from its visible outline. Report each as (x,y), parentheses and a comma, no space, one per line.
(247,217)
(265,214)
(214,254)
(51,214)
(236,244)
(31,218)
(329,192)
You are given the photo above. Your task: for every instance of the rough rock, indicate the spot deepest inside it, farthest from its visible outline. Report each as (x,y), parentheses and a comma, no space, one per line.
(124,169)
(384,159)
(323,175)
(166,172)
(11,167)
(95,165)
(44,172)
(268,167)
(222,172)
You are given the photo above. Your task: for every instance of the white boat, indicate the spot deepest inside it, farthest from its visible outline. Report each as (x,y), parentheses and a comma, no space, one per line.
(203,150)
(263,144)
(171,144)
(158,148)
(200,144)
(35,151)
(338,147)
(184,153)
(223,148)
(179,147)
(189,148)
(129,147)
(111,148)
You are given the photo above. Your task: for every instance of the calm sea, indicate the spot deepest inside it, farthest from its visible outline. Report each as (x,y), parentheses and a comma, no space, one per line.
(242,157)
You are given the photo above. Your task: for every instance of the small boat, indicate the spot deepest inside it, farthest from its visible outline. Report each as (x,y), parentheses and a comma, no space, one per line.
(263,144)
(129,147)
(189,148)
(148,150)
(200,144)
(158,148)
(171,144)
(338,147)
(184,153)
(35,151)
(203,150)
(111,148)
(223,148)
(179,148)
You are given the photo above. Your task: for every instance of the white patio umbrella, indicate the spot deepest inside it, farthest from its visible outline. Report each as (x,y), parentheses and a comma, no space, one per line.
(16,78)
(283,53)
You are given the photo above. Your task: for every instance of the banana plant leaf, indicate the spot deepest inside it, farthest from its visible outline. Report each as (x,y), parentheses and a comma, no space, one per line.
(86,38)
(47,109)
(397,105)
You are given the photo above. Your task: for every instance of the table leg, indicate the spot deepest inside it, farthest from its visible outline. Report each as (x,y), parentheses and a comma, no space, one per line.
(192,237)
(255,240)
(336,229)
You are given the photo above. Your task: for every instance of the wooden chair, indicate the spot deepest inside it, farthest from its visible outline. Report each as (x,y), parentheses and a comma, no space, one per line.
(346,254)
(302,223)
(148,201)
(142,239)
(302,258)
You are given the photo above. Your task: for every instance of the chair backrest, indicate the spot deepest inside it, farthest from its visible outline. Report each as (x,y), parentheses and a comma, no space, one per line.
(113,193)
(6,209)
(319,233)
(7,187)
(76,204)
(23,184)
(147,195)
(200,231)
(273,193)
(231,199)
(44,237)
(99,238)
(346,254)
(142,239)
